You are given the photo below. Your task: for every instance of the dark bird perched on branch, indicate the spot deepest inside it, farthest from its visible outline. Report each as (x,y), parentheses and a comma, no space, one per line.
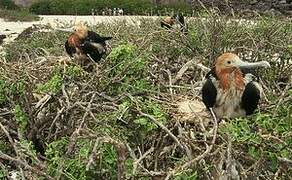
(228,90)
(2,37)
(85,44)
(179,19)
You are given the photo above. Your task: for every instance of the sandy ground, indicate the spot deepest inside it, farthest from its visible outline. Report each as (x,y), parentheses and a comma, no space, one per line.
(12,29)
(93,20)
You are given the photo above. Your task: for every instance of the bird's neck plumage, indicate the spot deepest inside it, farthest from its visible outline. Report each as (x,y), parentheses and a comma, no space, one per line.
(77,38)
(229,78)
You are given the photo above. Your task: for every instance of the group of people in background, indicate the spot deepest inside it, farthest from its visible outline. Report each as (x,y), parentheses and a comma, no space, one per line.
(120,12)
(109,12)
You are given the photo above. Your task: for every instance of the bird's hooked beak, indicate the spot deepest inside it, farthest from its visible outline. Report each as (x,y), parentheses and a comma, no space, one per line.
(252,65)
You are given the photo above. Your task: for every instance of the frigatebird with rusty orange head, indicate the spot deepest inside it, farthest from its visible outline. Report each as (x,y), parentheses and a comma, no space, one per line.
(85,44)
(169,21)
(229,90)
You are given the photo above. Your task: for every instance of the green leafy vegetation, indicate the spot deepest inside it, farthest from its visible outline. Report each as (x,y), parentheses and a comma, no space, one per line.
(21,117)
(35,44)
(263,136)
(53,85)
(3,90)
(74,167)
(153,109)
(129,69)
(10,90)
(189,175)
(29,149)
(74,71)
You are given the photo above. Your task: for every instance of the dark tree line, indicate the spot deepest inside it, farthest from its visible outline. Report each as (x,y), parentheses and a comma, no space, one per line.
(81,7)
(7,4)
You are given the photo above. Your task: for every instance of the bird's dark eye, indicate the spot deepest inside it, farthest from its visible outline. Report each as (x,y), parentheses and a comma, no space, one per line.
(228,62)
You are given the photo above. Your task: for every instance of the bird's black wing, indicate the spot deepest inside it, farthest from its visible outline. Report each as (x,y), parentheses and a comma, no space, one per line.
(93,50)
(209,91)
(94,45)
(250,98)
(69,49)
(94,37)
(106,38)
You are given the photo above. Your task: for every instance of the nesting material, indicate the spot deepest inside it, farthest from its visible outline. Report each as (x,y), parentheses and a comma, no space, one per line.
(193,111)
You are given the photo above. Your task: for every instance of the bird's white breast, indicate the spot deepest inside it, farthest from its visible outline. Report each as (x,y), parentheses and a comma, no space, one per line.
(228,101)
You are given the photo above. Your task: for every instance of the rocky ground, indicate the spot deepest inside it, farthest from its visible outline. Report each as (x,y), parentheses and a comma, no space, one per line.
(248,7)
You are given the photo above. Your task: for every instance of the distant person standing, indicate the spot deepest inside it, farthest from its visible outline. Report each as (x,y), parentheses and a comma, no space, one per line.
(118,11)
(115,12)
(92,12)
(110,11)
(106,11)
(121,12)
(103,13)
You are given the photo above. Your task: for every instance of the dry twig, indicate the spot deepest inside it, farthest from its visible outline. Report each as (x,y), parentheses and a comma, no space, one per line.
(203,155)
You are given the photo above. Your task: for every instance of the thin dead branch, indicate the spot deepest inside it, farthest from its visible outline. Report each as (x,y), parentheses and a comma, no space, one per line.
(24,165)
(203,155)
(162,127)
